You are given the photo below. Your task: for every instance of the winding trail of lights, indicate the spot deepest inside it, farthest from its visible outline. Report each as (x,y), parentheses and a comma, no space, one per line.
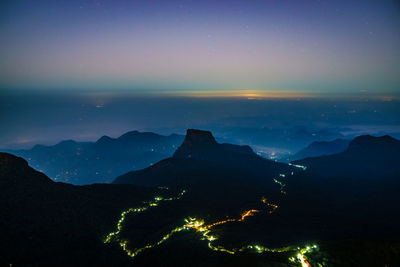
(146,205)
(283,191)
(273,207)
(298,166)
(199,227)
(205,231)
(190,223)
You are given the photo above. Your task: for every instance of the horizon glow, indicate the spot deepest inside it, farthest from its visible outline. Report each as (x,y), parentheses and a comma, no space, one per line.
(203,48)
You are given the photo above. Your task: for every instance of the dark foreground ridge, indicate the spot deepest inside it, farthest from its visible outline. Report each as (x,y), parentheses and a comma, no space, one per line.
(48,223)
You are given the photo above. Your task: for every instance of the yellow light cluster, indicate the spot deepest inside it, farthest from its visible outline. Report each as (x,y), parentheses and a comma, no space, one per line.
(264,200)
(269,204)
(273,207)
(301,257)
(220,222)
(246,214)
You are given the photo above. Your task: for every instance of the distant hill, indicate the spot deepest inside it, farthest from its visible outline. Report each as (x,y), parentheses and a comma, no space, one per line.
(200,159)
(319,148)
(44,222)
(366,156)
(101,161)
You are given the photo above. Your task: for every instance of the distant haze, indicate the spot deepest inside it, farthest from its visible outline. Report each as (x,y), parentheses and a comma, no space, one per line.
(31,118)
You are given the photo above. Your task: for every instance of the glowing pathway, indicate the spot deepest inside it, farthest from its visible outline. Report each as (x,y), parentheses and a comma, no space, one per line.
(199,227)
(273,207)
(301,255)
(205,231)
(146,206)
(190,223)
(298,166)
(283,191)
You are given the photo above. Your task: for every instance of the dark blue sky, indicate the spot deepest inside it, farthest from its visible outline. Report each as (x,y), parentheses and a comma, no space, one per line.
(278,48)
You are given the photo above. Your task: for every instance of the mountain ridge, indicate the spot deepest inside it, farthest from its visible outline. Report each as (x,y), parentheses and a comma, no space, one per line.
(319,148)
(366,156)
(36,213)
(101,161)
(201,156)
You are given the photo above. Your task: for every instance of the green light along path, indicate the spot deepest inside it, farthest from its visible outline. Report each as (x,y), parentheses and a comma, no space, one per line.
(198,225)
(146,205)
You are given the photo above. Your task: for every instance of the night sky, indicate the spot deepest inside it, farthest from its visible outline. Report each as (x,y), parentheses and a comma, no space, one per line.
(93,54)
(313,47)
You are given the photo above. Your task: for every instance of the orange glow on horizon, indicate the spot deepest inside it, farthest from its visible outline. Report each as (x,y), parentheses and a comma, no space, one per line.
(245,93)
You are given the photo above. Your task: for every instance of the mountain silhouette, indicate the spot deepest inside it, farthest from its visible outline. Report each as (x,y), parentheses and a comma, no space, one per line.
(100,161)
(200,159)
(201,145)
(48,223)
(320,148)
(366,156)
(51,223)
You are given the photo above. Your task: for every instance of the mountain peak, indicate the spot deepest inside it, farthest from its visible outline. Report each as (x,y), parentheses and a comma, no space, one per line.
(194,136)
(104,139)
(130,137)
(137,136)
(129,134)
(201,144)
(197,144)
